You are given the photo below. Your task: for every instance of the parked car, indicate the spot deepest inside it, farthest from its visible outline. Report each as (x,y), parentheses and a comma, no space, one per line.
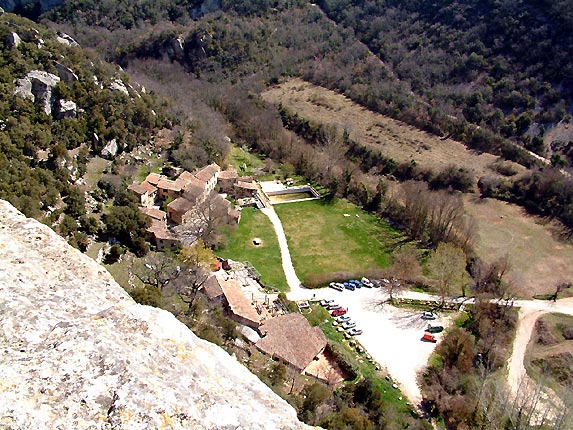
(367,282)
(348,324)
(336,286)
(435,328)
(333,306)
(427,315)
(356,283)
(342,318)
(428,337)
(338,312)
(325,302)
(349,286)
(354,332)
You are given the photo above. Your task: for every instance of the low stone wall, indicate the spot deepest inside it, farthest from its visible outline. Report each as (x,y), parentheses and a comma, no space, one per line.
(294,190)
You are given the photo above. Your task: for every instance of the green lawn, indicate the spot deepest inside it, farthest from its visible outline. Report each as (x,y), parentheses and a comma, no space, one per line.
(244,161)
(266,257)
(337,236)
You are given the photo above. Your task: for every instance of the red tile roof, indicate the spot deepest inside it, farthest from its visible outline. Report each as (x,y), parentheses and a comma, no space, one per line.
(238,302)
(291,338)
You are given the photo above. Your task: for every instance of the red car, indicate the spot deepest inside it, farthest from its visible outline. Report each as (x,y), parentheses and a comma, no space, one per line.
(338,312)
(428,337)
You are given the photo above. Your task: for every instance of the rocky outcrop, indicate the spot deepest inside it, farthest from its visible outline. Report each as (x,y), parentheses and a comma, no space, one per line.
(66,39)
(65,73)
(37,86)
(13,40)
(118,85)
(77,352)
(66,109)
(110,150)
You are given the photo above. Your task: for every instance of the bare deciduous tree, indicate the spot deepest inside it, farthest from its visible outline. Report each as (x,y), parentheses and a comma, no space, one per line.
(447,264)
(157,270)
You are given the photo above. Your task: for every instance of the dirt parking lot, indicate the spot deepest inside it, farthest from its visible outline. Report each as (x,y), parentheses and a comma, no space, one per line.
(391,335)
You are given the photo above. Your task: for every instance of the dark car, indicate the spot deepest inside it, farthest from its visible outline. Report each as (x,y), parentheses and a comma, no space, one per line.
(435,328)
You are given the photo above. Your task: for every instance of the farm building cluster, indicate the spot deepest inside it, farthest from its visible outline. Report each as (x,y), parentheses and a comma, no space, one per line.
(192,199)
(286,337)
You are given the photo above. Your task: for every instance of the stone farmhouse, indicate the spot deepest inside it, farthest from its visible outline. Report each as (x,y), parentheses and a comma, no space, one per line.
(291,339)
(188,194)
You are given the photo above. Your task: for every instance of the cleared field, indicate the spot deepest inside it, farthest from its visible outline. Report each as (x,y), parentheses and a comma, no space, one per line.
(337,236)
(266,257)
(396,139)
(539,262)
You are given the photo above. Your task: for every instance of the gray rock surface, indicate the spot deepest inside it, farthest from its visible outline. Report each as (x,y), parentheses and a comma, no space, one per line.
(66,39)
(110,150)
(37,86)
(13,40)
(24,88)
(66,109)
(118,85)
(65,73)
(77,353)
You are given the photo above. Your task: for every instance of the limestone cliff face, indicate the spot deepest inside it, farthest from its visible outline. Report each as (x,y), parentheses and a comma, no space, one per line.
(77,352)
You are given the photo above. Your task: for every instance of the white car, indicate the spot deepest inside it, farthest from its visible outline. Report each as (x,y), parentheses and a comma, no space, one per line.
(342,318)
(367,282)
(348,324)
(427,315)
(325,302)
(336,286)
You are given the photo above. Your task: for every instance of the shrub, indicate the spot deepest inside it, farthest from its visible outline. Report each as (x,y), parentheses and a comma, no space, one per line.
(344,359)
(290,305)
(147,295)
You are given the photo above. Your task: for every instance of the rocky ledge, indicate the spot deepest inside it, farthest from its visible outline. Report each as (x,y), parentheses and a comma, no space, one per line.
(77,352)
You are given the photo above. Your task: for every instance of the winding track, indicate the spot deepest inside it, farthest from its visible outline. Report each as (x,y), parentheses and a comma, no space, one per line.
(530,311)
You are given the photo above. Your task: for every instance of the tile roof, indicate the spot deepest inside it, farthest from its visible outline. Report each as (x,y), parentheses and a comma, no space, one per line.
(247,185)
(154,178)
(181,205)
(149,186)
(238,302)
(154,213)
(193,192)
(137,189)
(207,172)
(159,231)
(168,184)
(291,338)
(229,174)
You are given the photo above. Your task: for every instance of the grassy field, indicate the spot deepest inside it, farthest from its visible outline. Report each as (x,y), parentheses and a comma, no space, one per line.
(266,257)
(550,352)
(396,139)
(538,260)
(337,236)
